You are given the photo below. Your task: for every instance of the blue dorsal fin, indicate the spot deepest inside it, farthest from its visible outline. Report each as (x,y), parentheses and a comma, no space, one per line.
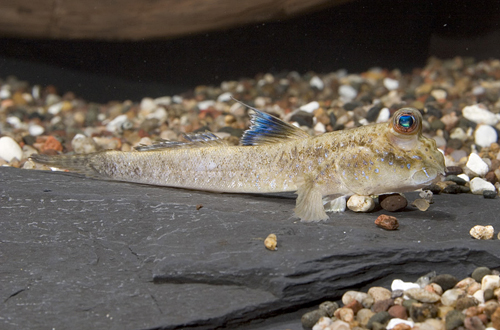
(193,140)
(266,129)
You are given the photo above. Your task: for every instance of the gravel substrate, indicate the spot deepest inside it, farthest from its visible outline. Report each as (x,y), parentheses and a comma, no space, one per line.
(433,302)
(459,100)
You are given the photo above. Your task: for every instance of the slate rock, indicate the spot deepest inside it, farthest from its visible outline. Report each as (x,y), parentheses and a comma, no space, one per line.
(83,249)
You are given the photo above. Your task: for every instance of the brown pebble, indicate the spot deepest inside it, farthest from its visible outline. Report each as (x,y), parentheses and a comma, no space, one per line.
(453,170)
(355,306)
(398,311)
(387,222)
(473,323)
(392,202)
(52,143)
(491,177)
(382,305)
(199,206)
(495,318)
(271,242)
(402,326)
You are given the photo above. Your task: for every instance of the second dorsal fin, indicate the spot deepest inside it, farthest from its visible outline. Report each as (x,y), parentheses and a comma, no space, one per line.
(193,140)
(266,129)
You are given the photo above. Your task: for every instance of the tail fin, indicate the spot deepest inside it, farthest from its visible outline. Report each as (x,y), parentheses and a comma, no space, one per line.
(74,163)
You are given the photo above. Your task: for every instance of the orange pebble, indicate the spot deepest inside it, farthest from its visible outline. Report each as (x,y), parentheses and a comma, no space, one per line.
(52,143)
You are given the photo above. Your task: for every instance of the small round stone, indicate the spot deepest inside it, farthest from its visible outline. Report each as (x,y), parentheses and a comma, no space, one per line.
(309,319)
(473,323)
(381,318)
(477,165)
(485,135)
(345,314)
(421,204)
(495,318)
(482,232)
(271,242)
(392,202)
(490,282)
(479,185)
(454,319)
(488,294)
(340,325)
(465,302)
(422,295)
(479,115)
(489,194)
(329,307)
(9,149)
(398,311)
(349,296)
(382,305)
(450,297)
(363,316)
(379,293)
(360,203)
(387,222)
(420,312)
(445,281)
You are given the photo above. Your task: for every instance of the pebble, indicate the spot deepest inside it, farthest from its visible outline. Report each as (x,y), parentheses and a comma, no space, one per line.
(340,325)
(383,115)
(477,165)
(395,321)
(379,293)
(323,323)
(345,314)
(392,202)
(465,302)
(482,232)
(382,305)
(422,295)
(387,222)
(445,281)
(485,135)
(381,317)
(427,195)
(450,297)
(363,316)
(310,107)
(401,285)
(489,194)
(398,311)
(391,84)
(36,130)
(329,307)
(479,185)
(82,144)
(479,115)
(479,273)
(454,319)
(473,323)
(316,82)
(271,242)
(360,203)
(421,204)
(309,319)
(350,296)
(10,149)
(420,312)
(347,92)
(495,318)
(490,282)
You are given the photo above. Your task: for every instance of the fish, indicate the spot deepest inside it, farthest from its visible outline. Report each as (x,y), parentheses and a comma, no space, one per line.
(274,156)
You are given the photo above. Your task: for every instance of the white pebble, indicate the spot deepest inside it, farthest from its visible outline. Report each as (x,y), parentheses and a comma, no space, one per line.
(440,141)
(482,232)
(450,297)
(36,130)
(478,185)
(147,104)
(177,99)
(490,282)
(82,144)
(9,149)
(322,323)
(395,321)
(116,124)
(479,295)
(477,165)
(458,133)
(391,84)
(160,113)
(320,127)
(14,121)
(204,105)
(439,94)
(400,285)
(485,135)
(464,176)
(339,325)
(164,100)
(360,203)
(310,107)
(383,115)
(317,83)
(5,92)
(478,90)
(54,109)
(224,97)
(347,92)
(479,115)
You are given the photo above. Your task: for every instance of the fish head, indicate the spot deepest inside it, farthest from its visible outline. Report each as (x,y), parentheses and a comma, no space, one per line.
(424,161)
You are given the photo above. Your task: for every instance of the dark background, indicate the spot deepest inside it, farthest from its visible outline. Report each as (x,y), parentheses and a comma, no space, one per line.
(356,36)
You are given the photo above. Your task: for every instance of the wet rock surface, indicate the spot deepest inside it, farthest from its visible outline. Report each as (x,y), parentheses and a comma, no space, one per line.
(80,253)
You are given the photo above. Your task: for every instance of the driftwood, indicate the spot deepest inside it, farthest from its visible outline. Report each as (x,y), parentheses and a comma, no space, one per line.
(140,19)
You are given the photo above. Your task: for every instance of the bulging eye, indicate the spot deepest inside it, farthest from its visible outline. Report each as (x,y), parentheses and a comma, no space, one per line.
(407,121)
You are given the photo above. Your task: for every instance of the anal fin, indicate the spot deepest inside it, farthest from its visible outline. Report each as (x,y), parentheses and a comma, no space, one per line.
(335,204)
(309,207)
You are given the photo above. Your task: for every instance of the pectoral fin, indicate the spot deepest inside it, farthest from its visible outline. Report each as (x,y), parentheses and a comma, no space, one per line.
(309,205)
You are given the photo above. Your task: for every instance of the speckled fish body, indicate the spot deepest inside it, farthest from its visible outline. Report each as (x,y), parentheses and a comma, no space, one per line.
(278,157)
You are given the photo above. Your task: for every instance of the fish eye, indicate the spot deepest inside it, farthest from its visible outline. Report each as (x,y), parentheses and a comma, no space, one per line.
(407,121)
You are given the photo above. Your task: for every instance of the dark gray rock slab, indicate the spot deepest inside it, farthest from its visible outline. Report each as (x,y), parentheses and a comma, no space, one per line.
(80,253)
